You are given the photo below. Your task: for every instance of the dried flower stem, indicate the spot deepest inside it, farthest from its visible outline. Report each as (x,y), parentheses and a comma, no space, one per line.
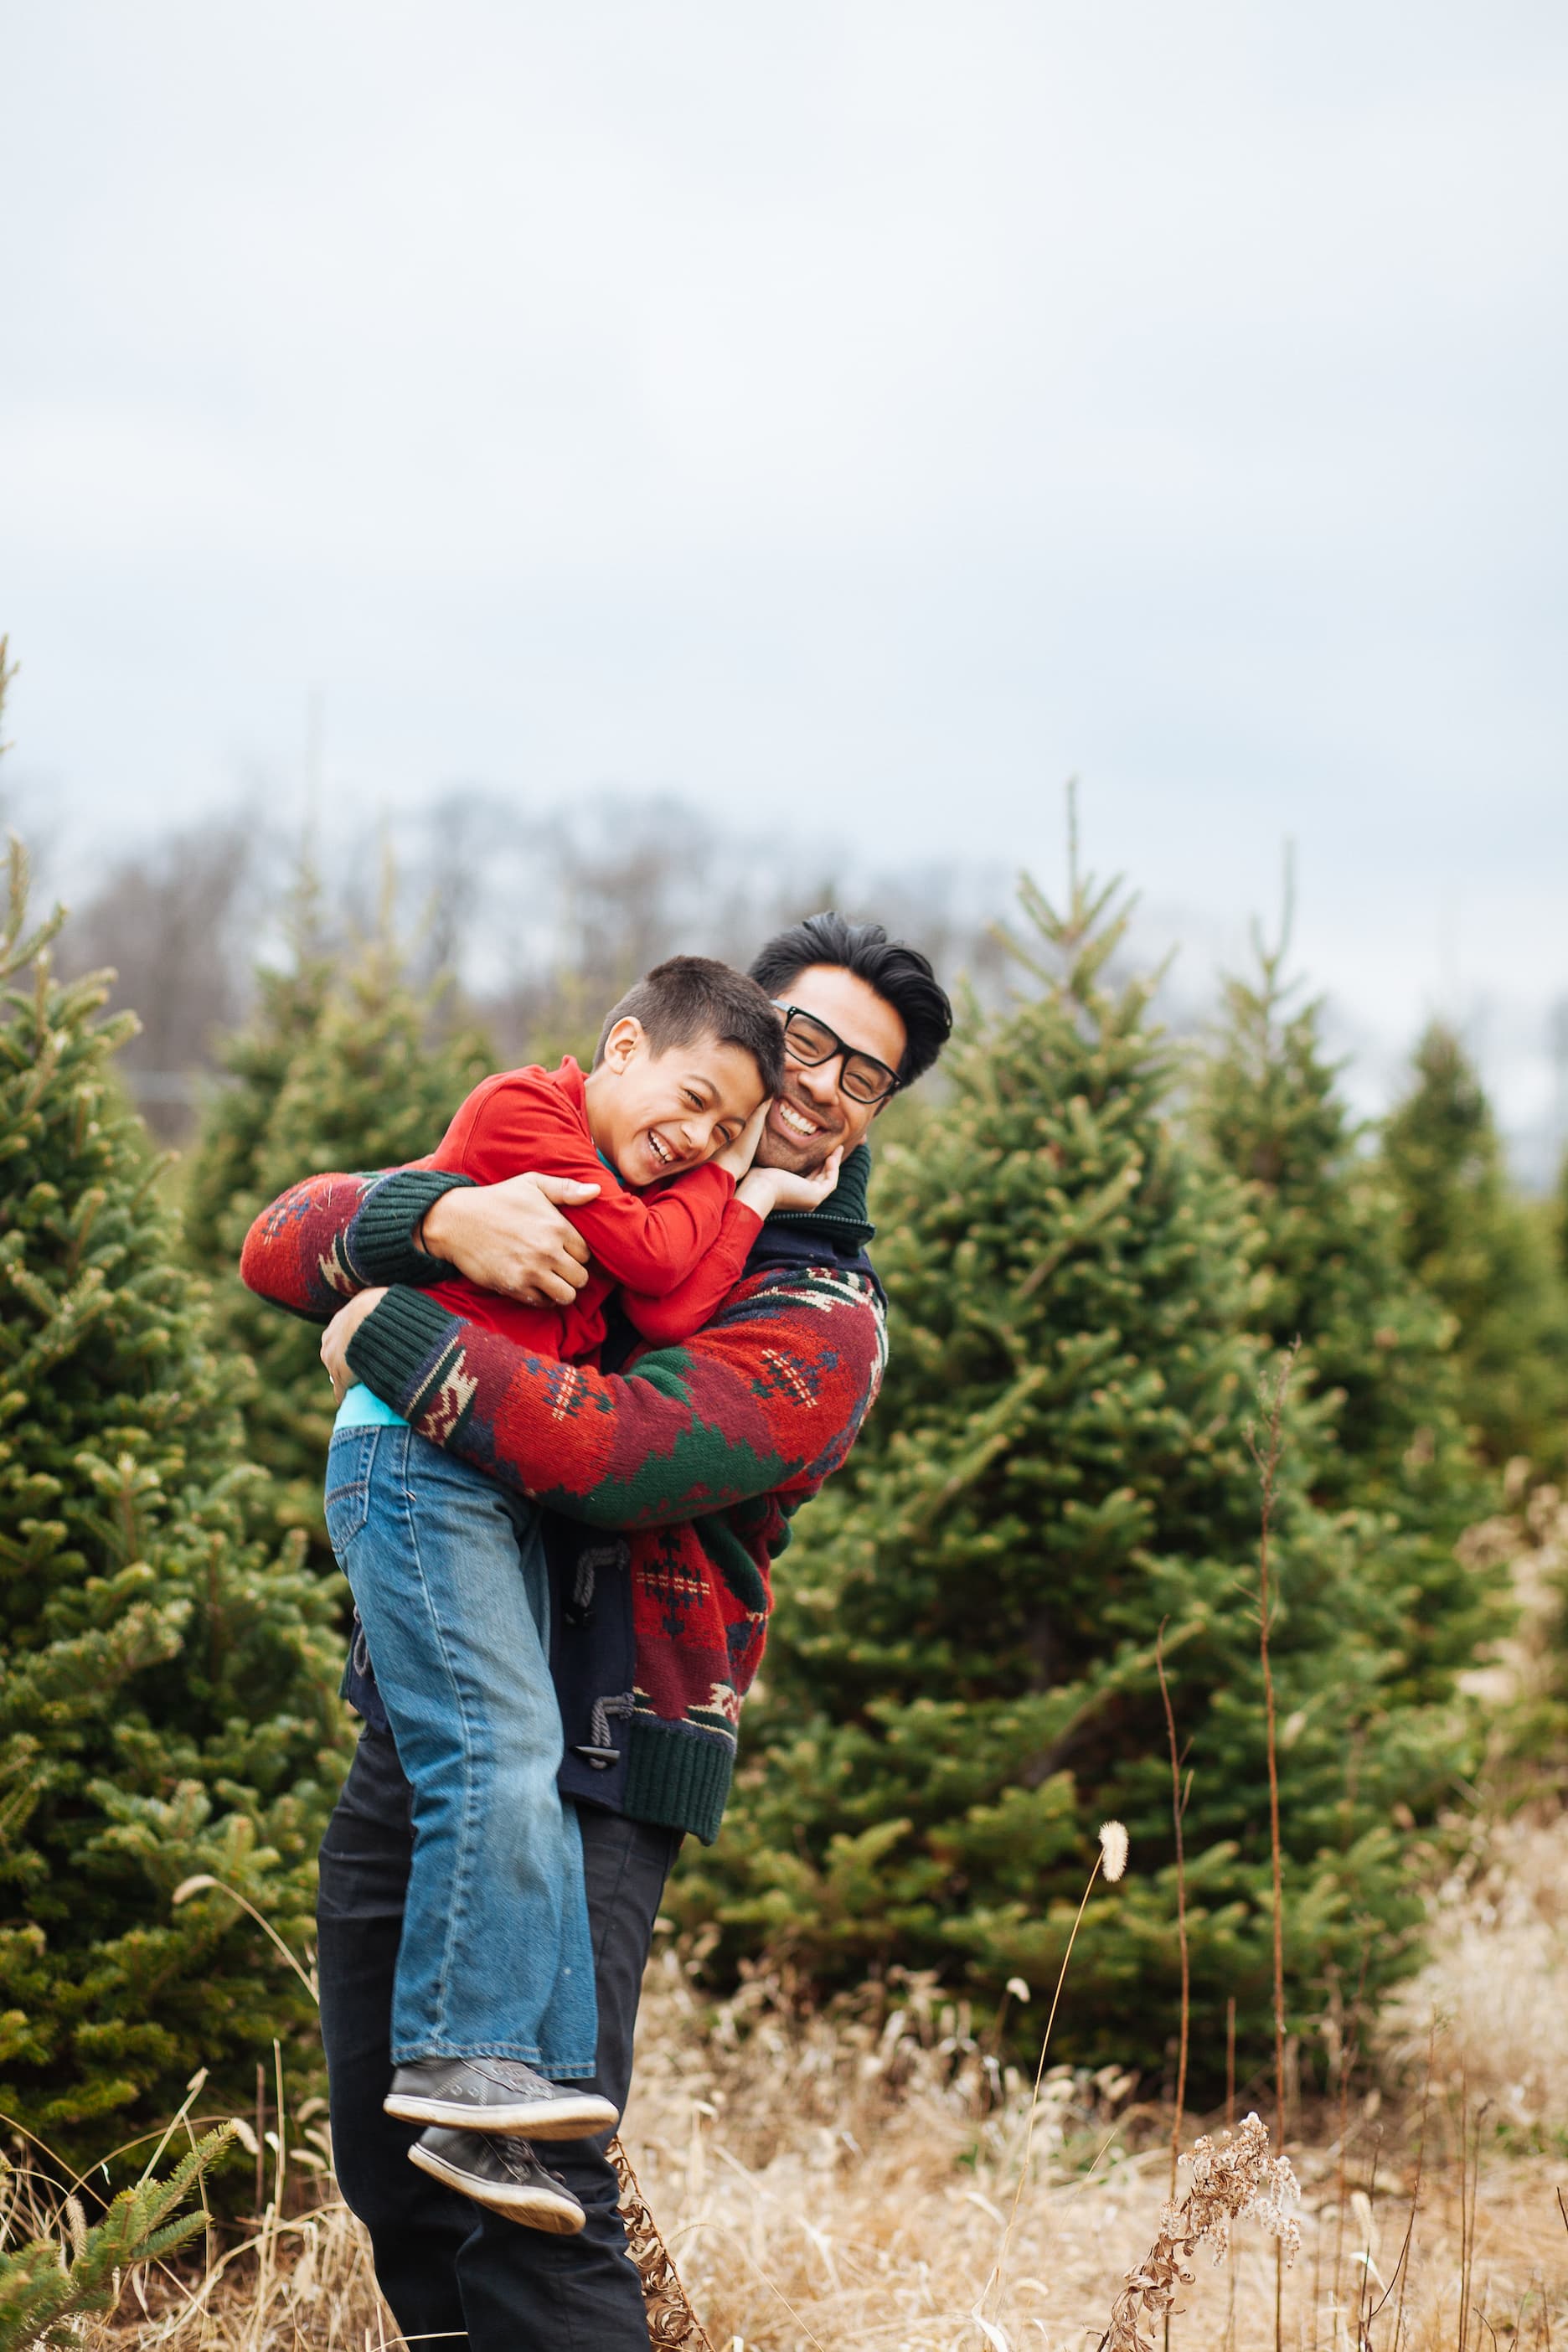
(1230,2061)
(1348,2052)
(1178,1807)
(1363,2284)
(1113,1854)
(670,2318)
(1233,2181)
(1414,2193)
(1267,1456)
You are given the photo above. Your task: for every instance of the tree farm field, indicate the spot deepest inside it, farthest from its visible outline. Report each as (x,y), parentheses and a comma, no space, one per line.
(847,2179)
(1212,1491)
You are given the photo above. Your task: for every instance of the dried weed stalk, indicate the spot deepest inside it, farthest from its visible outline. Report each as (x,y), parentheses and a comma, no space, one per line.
(1267,1451)
(1233,2180)
(670,2318)
(1179,1795)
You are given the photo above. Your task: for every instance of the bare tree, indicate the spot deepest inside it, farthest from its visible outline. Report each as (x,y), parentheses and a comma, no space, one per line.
(177,922)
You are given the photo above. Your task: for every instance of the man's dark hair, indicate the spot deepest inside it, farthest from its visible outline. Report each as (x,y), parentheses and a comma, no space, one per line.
(900,974)
(691,997)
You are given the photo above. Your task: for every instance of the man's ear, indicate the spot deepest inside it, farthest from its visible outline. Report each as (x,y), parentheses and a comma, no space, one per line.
(621,1042)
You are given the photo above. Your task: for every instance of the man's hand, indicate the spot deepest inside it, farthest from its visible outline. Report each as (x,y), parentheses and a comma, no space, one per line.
(339,1331)
(737,1157)
(512,1237)
(767,1189)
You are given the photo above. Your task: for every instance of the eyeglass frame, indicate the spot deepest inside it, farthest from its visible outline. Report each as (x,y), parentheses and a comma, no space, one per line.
(842,1054)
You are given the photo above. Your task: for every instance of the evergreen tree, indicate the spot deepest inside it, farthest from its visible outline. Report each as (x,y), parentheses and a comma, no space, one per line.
(1375,1346)
(166,1676)
(962,1679)
(1475,1247)
(44,2299)
(346,1065)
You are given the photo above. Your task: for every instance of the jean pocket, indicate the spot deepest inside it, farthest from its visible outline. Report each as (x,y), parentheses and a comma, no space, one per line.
(350,1457)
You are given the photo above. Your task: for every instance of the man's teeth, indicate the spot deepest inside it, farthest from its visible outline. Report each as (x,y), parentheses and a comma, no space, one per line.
(794,1120)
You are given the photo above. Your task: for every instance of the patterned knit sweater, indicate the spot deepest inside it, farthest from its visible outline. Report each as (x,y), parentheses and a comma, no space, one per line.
(700,1454)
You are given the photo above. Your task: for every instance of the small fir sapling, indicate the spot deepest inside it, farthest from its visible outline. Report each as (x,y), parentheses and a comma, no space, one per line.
(1469,1240)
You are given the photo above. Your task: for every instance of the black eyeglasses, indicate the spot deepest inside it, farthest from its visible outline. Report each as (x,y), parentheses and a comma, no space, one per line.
(863,1078)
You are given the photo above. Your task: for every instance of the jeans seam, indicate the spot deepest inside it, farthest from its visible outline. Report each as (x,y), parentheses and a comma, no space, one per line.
(359,1484)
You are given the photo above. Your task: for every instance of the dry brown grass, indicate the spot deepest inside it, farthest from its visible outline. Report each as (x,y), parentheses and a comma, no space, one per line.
(1496,1987)
(845,2182)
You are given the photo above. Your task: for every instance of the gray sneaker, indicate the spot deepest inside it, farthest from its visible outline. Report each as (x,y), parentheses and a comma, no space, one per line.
(504,2174)
(496,2095)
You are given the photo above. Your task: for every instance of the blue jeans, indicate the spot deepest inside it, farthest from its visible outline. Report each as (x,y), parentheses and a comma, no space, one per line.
(448,1574)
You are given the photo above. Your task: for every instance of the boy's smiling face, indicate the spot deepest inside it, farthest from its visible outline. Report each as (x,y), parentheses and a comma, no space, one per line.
(653,1114)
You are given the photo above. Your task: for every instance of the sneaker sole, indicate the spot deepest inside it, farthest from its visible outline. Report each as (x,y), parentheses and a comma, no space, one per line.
(528,2119)
(533,2209)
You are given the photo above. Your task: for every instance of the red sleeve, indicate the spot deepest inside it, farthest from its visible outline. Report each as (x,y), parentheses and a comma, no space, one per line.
(322,1241)
(527,1119)
(684,1310)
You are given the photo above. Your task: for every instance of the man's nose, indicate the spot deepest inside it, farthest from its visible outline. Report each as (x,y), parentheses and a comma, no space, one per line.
(818,1079)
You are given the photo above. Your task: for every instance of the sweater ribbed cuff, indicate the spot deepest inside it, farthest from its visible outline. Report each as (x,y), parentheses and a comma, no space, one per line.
(676,1778)
(399,1346)
(381,1239)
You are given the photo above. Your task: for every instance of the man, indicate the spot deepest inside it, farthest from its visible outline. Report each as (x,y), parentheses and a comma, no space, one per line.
(672,1487)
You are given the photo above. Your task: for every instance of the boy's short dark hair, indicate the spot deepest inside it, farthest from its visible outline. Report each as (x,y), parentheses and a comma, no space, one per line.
(900,974)
(690,997)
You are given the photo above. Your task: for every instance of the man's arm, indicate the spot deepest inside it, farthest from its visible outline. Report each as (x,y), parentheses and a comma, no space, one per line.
(768,1397)
(334,1235)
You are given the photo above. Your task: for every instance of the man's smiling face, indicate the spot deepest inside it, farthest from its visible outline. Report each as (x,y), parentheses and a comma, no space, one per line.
(811,1117)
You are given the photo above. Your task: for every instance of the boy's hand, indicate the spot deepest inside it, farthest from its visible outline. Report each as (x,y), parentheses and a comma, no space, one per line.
(737,1157)
(339,1331)
(767,1189)
(512,1237)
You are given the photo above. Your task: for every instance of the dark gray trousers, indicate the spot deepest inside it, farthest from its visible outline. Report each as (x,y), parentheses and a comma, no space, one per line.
(449,2269)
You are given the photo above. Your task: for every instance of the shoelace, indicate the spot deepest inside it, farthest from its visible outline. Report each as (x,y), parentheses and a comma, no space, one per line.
(520,2166)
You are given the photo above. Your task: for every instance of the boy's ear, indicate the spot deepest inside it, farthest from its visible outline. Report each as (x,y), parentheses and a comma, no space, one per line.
(621,1042)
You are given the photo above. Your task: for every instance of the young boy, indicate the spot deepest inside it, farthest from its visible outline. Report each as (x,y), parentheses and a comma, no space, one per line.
(494,2013)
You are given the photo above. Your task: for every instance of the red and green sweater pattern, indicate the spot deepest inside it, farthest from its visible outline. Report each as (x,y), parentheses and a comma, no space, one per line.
(699,1455)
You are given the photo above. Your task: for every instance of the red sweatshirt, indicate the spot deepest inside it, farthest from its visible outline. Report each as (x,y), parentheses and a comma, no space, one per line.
(677,1250)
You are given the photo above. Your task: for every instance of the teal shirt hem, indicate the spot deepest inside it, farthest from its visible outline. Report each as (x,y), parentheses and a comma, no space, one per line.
(362,1408)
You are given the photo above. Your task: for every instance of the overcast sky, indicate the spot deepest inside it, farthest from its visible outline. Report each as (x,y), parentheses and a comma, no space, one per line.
(853,417)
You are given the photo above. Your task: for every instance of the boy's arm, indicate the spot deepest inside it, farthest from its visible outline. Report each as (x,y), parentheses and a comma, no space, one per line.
(667,1321)
(770,1395)
(650,1241)
(760,1191)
